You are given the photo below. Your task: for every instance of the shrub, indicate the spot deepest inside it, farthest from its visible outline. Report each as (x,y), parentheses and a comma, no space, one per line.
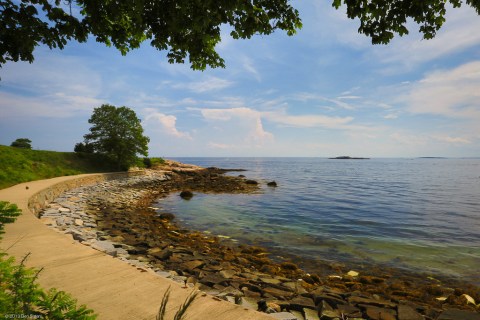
(21,295)
(8,213)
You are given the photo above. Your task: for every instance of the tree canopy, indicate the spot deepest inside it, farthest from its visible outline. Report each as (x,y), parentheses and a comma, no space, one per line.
(118,134)
(190,28)
(23,143)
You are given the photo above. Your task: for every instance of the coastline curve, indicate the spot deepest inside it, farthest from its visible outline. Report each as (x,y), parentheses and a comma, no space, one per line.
(112,288)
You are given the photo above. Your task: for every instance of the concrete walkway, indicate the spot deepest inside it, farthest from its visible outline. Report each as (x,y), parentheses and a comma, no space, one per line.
(114,289)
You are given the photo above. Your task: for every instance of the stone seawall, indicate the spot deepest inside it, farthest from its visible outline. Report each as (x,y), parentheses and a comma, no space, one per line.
(39,200)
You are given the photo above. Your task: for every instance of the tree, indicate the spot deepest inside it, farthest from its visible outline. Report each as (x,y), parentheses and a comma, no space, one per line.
(190,28)
(83,147)
(381,19)
(183,27)
(23,143)
(118,134)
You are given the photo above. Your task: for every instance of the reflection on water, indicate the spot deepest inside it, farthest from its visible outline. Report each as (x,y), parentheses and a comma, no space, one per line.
(418,214)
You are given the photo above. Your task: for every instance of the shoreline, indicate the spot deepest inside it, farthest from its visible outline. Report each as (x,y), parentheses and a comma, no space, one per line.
(244,274)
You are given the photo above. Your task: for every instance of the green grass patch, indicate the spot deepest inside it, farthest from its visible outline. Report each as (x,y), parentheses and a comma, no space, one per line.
(22,165)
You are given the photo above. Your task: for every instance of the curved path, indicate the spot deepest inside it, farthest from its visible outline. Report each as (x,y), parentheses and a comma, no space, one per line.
(114,289)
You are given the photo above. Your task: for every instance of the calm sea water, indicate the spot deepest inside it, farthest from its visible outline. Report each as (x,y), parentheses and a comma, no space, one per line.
(416,214)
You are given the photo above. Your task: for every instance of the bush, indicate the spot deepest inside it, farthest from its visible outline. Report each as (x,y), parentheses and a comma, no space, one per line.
(8,213)
(20,295)
(22,143)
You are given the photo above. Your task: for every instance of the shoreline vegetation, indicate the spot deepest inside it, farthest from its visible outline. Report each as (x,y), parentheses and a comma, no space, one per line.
(117,217)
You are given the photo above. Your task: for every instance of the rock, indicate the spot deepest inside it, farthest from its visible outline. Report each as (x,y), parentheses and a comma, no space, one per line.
(252,182)
(227,274)
(334,301)
(190,265)
(283,316)
(297,314)
(375,313)
(77,235)
(349,311)
(355,300)
(212,279)
(248,302)
(163,255)
(272,184)
(263,306)
(330,315)
(187,195)
(78,222)
(310,314)
(167,215)
(105,246)
(454,314)
(270,280)
(408,313)
(277,292)
(300,303)
(49,221)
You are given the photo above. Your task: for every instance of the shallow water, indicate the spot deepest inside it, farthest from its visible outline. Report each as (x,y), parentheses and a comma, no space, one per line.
(415,214)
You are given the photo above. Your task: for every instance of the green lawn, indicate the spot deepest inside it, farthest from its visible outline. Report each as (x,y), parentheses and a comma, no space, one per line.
(22,165)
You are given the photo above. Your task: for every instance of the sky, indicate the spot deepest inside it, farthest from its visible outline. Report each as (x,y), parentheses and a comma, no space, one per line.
(327,91)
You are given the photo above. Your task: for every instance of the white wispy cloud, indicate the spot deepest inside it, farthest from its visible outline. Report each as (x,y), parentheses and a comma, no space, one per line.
(452,140)
(209,84)
(168,123)
(391,116)
(53,86)
(243,121)
(452,93)
(306,121)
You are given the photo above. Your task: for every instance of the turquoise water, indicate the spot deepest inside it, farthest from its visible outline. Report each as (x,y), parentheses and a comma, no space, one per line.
(416,214)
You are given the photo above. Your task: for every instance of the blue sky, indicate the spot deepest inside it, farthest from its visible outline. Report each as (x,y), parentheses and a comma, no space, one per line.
(323,92)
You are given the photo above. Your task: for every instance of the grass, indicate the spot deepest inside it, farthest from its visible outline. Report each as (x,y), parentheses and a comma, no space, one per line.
(22,165)
(182,310)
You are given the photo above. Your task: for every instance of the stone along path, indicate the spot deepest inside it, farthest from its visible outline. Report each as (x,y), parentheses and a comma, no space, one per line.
(113,288)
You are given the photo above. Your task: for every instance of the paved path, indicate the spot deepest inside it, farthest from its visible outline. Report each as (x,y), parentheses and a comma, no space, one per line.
(114,289)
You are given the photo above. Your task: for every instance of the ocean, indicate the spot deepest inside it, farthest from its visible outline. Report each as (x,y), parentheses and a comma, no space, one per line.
(419,215)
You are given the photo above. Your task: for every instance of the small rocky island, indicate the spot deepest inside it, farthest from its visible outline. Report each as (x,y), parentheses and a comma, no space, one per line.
(348,158)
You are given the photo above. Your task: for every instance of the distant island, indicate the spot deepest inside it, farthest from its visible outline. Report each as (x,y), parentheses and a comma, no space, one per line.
(348,158)
(432,158)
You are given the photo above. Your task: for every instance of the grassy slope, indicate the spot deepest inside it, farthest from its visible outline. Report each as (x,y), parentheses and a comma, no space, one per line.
(21,165)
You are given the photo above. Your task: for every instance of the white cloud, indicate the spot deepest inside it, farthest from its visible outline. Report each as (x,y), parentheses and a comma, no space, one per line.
(207,85)
(247,65)
(215,145)
(306,121)
(239,122)
(56,105)
(451,93)
(53,86)
(167,122)
(452,140)
(391,116)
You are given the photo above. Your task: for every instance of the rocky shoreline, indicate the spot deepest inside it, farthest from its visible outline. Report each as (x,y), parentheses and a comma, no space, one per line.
(116,217)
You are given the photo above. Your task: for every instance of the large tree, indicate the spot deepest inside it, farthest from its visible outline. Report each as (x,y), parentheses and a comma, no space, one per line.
(118,134)
(190,28)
